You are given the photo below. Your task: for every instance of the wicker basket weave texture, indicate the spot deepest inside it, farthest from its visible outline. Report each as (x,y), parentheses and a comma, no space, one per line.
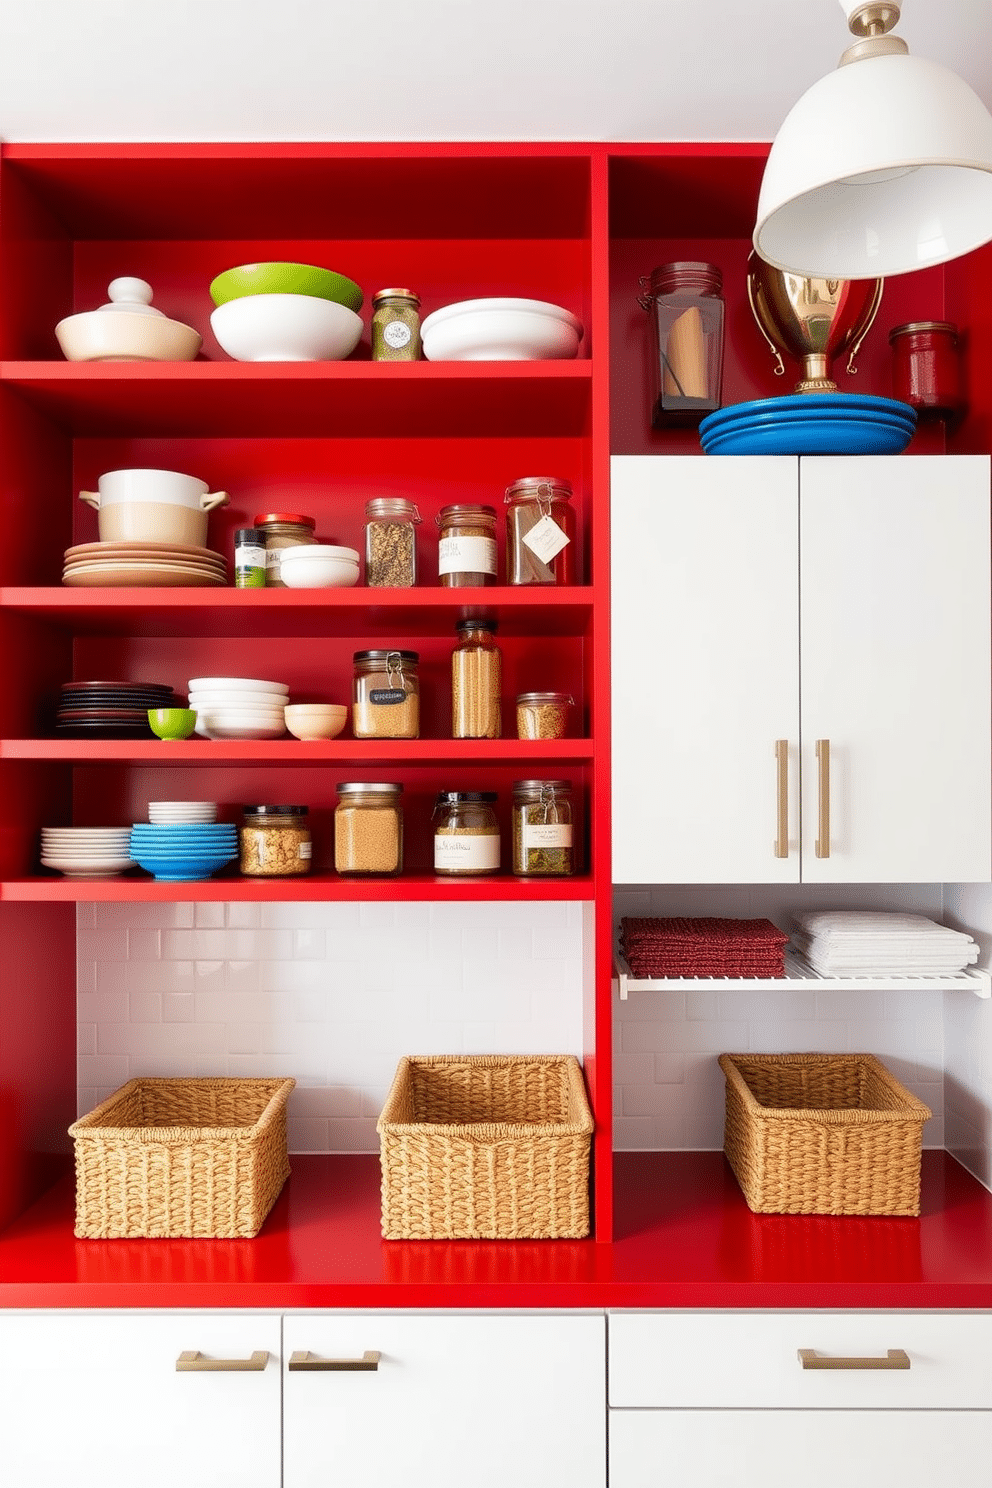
(822,1134)
(486,1147)
(181,1158)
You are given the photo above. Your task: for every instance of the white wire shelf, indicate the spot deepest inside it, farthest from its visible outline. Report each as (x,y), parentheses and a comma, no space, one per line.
(799,973)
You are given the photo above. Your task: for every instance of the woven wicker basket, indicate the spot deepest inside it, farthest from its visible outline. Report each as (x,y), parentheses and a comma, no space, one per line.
(822,1134)
(487,1147)
(196,1158)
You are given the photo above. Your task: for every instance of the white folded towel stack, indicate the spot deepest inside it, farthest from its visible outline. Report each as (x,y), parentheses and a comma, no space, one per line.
(864,942)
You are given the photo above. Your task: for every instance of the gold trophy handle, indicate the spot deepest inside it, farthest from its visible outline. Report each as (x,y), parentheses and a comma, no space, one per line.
(876,301)
(779,364)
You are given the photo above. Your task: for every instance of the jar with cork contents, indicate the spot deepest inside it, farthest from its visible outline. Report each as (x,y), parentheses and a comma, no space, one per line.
(386,695)
(282,530)
(395,326)
(368,828)
(466,833)
(476,682)
(275,841)
(685,303)
(544,715)
(391,543)
(543,845)
(540,531)
(466,550)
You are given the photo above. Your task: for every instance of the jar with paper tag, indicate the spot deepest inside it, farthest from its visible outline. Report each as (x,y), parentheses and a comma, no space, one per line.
(685,305)
(540,531)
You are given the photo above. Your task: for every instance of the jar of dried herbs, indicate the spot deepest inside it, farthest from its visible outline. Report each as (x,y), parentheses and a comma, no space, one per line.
(275,841)
(390,543)
(368,828)
(542,829)
(282,530)
(466,833)
(385,698)
(466,551)
(476,680)
(540,531)
(395,325)
(543,715)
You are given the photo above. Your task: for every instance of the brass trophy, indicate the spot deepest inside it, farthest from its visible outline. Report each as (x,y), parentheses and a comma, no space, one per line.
(814,320)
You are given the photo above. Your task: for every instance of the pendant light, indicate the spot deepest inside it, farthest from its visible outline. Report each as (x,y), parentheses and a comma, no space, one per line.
(883,167)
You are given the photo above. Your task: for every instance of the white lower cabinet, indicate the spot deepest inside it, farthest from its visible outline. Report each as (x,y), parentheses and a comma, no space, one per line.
(95,1400)
(446,1400)
(769,1399)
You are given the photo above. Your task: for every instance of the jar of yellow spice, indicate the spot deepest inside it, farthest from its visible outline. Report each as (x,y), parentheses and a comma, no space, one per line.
(368,828)
(386,695)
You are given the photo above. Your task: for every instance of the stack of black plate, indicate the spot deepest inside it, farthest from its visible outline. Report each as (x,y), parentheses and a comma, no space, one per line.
(111,710)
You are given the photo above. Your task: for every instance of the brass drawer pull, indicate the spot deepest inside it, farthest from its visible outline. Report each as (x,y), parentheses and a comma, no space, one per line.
(782,798)
(823,775)
(195,1362)
(304,1359)
(894,1359)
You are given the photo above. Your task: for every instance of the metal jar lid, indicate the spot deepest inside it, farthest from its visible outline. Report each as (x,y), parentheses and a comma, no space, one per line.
(395,294)
(527,787)
(491,625)
(531,487)
(392,506)
(465,798)
(413,656)
(534,699)
(275,810)
(704,278)
(382,788)
(913,326)
(295,519)
(466,509)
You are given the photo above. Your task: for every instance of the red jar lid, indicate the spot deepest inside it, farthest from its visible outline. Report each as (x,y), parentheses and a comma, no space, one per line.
(295,517)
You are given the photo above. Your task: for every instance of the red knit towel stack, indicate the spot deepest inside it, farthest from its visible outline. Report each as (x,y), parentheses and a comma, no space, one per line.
(702,947)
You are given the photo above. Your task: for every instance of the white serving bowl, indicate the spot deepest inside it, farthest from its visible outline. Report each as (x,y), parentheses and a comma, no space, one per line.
(221,698)
(501,330)
(286,328)
(316,720)
(236,684)
(318,566)
(182,811)
(235,727)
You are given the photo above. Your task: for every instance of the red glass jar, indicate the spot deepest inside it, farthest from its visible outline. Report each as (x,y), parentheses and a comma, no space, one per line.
(926,368)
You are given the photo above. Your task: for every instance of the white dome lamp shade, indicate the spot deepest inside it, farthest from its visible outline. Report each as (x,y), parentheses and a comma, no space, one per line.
(883,167)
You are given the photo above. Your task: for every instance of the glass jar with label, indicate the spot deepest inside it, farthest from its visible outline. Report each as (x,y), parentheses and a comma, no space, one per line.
(282,530)
(540,531)
(466,551)
(466,833)
(275,841)
(685,303)
(386,695)
(542,829)
(249,559)
(395,325)
(390,543)
(476,682)
(368,828)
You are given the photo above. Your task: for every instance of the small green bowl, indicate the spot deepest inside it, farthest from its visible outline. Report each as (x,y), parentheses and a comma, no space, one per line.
(285,278)
(172,723)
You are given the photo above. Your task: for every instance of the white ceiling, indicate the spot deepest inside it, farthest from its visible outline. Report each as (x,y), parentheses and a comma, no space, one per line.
(441,69)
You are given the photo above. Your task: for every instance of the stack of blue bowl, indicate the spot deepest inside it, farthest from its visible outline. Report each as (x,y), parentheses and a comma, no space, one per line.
(810,424)
(183,852)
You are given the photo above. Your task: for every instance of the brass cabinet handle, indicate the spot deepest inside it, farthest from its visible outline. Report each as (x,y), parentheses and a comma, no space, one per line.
(823,776)
(195,1362)
(304,1359)
(894,1359)
(782,795)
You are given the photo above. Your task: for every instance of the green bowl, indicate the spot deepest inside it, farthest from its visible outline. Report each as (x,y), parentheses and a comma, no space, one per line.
(172,723)
(285,278)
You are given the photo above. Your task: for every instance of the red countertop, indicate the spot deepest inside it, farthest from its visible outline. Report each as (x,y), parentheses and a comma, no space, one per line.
(684,1238)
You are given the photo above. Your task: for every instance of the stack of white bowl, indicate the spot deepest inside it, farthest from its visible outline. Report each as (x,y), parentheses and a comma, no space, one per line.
(318,566)
(238,707)
(173,813)
(87,852)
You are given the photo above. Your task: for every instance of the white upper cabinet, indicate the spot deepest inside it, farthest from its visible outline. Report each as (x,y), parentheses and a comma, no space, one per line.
(801,670)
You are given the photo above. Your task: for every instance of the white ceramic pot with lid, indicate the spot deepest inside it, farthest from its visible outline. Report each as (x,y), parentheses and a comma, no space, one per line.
(153,506)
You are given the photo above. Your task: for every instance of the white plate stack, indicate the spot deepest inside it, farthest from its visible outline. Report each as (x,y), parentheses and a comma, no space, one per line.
(87,852)
(173,813)
(239,707)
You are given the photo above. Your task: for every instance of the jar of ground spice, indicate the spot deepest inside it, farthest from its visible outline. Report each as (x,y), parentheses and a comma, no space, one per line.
(282,530)
(540,531)
(368,828)
(476,679)
(542,829)
(466,551)
(466,833)
(395,326)
(390,543)
(386,695)
(275,841)
(543,715)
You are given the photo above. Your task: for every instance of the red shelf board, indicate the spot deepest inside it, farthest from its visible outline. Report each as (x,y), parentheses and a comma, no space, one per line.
(408,887)
(684,1238)
(189,753)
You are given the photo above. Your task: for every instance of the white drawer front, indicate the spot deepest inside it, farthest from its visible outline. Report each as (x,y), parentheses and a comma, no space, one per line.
(780,1449)
(674,1359)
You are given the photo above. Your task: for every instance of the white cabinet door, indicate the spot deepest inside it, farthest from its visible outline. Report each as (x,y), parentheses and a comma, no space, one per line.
(455,1400)
(95,1400)
(895,657)
(705,670)
(817,1449)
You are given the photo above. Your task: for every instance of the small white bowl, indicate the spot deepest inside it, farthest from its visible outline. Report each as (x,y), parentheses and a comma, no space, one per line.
(318,566)
(316,720)
(229,728)
(501,330)
(286,328)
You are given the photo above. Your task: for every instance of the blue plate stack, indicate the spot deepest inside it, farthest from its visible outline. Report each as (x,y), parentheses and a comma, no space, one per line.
(183,852)
(810,424)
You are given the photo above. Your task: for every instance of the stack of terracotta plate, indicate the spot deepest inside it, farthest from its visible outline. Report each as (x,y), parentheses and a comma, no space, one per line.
(111,710)
(103,565)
